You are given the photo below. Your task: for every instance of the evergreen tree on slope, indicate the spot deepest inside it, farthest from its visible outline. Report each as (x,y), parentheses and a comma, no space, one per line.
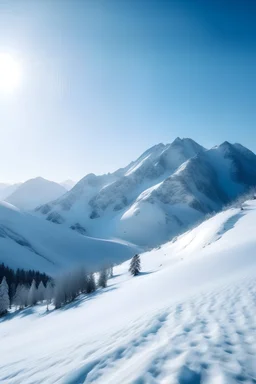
(41,291)
(103,278)
(32,294)
(48,293)
(91,285)
(135,266)
(4,297)
(20,299)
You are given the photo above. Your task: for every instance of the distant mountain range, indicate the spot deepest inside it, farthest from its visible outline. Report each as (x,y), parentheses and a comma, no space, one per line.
(33,192)
(161,194)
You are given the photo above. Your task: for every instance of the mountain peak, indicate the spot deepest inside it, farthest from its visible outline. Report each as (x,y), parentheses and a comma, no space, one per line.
(177,140)
(185,140)
(226,144)
(35,192)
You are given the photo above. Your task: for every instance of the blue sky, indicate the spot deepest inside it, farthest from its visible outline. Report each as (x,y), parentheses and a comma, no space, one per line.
(104,80)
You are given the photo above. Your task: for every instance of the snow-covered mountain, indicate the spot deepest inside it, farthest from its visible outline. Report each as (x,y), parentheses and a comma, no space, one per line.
(161,194)
(189,318)
(35,192)
(29,242)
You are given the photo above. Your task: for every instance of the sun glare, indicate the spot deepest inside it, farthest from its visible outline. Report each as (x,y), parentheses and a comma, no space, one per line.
(10,73)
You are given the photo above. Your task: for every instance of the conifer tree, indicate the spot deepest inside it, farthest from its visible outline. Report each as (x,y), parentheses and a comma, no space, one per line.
(82,280)
(91,285)
(135,266)
(103,278)
(48,293)
(110,271)
(59,295)
(32,294)
(41,292)
(17,297)
(20,299)
(24,295)
(4,297)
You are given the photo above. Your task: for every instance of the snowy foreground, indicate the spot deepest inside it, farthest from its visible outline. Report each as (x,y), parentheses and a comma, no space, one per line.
(189,318)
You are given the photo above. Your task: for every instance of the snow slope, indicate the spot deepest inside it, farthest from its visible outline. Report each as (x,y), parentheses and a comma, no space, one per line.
(160,195)
(32,243)
(35,192)
(189,318)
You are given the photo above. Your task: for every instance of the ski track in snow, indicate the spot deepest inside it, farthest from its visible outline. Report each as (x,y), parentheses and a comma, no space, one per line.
(209,338)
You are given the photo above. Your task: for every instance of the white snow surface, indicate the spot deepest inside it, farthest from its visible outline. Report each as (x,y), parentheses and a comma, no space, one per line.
(29,242)
(35,192)
(189,318)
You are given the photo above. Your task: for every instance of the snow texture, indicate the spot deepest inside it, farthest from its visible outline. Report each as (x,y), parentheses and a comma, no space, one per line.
(188,318)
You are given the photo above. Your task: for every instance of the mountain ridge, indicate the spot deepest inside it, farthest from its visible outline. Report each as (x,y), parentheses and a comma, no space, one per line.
(159,195)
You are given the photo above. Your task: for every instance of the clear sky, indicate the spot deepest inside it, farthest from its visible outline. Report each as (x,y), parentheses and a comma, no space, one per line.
(104,80)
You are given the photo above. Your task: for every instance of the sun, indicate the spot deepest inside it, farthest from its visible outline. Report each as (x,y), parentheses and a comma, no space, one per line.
(10,73)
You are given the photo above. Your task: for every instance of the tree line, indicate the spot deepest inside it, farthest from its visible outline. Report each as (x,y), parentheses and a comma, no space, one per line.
(22,277)
(21,288)
(59,291)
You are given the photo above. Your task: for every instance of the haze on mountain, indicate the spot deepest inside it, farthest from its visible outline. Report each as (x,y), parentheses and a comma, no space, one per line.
(35,192)
(7,189)
(68,184)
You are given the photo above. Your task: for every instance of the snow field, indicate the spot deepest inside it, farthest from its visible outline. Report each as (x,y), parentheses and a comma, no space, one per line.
(189,318)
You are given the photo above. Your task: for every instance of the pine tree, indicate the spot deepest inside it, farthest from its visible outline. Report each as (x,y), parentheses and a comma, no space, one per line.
(135,266)
(4,297)
(110,271)
(32,294)
(41,292)
(91,285)
(48,293)
(20,299)
(82,280)
(24,295)
(59,295)
(103,278)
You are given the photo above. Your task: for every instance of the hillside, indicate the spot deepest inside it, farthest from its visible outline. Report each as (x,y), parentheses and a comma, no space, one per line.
(160,195)
(35,192)
(31,243)
(188,318)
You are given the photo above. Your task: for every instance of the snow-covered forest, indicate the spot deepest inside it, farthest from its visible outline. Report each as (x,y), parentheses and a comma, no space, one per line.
(65,288)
